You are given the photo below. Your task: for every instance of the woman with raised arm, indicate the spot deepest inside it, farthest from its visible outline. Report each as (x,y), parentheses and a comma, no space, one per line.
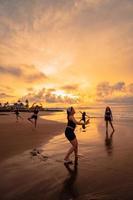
(34,116)
(84,115)
(70,135)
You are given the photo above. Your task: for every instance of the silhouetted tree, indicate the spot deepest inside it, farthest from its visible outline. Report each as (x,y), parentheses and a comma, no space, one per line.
(27,103)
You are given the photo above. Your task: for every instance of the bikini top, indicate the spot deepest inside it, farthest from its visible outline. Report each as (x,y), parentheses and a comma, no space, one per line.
(71,124)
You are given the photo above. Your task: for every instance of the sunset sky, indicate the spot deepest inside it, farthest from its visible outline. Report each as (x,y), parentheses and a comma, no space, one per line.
(66,51)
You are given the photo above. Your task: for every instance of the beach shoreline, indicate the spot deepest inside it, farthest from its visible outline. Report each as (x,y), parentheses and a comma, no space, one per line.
(104,170)
(17,137)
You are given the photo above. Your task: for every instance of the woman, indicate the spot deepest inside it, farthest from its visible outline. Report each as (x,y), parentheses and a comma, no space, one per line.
(84,115)
(34,116)
(108,118)
(70,135)
(17,114)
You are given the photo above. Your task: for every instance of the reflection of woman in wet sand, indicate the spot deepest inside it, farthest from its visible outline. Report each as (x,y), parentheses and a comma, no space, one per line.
(70,135)
(109,118)
(34,116)
(84,115)
(69,190)
(108,142)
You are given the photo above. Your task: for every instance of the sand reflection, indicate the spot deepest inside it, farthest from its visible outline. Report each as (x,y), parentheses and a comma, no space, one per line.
(70,190)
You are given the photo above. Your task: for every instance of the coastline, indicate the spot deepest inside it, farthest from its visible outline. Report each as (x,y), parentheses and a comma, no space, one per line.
(17,137)
(104,162)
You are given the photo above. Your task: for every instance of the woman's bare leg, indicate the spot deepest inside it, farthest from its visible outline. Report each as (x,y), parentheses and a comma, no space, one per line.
(73,148)
(35,122)
(69,153)
(75,145)
(112,125)
(16,118)
(20,117)
(106,126)
(30,120)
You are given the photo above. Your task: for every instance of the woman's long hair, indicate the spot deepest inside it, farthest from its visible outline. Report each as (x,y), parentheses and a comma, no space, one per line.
(108,108)
(69,110)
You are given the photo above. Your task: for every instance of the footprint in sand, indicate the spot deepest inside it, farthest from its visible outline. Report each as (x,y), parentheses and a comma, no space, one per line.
(37,152)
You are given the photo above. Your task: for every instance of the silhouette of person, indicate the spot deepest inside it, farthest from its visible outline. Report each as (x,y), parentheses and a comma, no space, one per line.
(17,114)
(84,115)
(108,118)
(34,116)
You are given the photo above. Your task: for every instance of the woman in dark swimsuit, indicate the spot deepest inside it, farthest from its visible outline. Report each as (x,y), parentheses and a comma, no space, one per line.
(84,115)
(34,116)
(108,118)
(70,135)
(17,114)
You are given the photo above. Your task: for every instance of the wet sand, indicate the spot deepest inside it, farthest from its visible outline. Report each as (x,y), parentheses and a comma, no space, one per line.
(17,137)
(104,170)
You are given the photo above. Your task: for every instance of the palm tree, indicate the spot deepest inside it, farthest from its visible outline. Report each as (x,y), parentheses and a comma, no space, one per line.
(27,103)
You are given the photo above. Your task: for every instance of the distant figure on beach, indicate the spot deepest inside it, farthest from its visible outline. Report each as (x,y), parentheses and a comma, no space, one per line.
(34,116)
(84,115)
(108,118)
(70,135)
(16,111)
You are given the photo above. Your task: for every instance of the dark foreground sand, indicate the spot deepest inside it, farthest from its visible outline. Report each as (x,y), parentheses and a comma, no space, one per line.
(104,170)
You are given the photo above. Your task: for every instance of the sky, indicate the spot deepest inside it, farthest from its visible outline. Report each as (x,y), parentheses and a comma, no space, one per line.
(61,52)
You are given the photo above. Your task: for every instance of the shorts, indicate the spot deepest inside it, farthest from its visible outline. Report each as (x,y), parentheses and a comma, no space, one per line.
(69,133)
(108,118)
(34,116)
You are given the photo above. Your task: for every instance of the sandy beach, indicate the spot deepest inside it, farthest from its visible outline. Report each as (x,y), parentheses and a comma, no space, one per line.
(16,137)
(104,170)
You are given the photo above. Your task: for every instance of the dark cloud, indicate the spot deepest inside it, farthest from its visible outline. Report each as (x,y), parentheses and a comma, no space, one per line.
(130,88)
(105,89)
(11,70)
(4,95)
(6,88)
(116,93)
(30,89)
(121,100)
(70,87)
(24,15)
(35,77)
(120,86)
(27,72)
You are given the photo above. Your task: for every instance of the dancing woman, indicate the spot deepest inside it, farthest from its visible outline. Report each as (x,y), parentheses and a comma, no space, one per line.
(70,135)
(34,116)
(84,115)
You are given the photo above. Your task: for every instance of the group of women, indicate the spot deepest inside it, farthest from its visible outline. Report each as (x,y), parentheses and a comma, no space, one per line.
(71,125)
(33,118)
(70,128)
